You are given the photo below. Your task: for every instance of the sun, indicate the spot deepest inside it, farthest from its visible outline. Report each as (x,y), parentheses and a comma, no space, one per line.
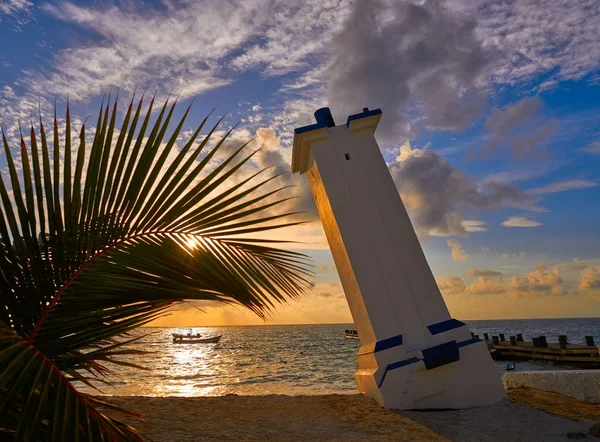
(192,243)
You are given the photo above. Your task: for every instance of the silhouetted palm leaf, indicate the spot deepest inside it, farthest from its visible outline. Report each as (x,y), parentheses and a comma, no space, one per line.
(90,253)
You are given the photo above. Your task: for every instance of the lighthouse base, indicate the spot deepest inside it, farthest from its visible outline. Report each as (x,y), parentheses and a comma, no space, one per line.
(452,375)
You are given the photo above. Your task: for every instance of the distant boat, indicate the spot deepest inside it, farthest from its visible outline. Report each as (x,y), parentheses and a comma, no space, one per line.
(352,334)
(182,339)
(189,338)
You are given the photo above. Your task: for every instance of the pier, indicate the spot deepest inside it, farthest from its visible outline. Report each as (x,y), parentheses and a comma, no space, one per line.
(561,352)
(516,349)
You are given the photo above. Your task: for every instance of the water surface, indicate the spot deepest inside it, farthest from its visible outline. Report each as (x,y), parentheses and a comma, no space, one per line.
(289,359)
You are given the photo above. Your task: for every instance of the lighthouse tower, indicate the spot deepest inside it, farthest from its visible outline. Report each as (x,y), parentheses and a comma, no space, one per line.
(413,355)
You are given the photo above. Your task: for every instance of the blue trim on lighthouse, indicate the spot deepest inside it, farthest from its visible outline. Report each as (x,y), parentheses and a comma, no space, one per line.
(439,355)
(433,357)
(444,326)
(395,365)
(324,119)
(364,114)
(384,344)
(469,342)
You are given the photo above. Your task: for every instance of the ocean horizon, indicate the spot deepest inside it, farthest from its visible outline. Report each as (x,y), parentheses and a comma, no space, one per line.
(305,359)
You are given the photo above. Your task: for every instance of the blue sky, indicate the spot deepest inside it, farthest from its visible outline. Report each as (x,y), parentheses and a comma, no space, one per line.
(490,123)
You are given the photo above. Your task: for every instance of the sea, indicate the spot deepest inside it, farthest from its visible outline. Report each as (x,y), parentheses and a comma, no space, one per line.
(286,359)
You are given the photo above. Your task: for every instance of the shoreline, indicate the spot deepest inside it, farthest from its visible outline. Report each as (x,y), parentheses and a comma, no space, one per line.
(352,417)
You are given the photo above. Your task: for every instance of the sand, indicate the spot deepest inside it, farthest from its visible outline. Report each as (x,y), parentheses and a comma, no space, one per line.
(340,418)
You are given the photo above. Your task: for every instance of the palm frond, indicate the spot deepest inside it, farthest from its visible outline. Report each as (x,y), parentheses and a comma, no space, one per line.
(107,240)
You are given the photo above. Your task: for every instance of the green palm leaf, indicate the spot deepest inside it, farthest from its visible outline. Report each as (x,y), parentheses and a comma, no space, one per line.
(90,252)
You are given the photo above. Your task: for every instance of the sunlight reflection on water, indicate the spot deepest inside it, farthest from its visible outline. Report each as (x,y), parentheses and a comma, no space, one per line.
(293,360)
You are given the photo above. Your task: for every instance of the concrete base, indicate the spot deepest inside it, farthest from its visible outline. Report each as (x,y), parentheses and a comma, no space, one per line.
(401,380)
(578,384)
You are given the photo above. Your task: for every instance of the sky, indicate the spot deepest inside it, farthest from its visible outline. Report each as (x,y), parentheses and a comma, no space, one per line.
(490,123)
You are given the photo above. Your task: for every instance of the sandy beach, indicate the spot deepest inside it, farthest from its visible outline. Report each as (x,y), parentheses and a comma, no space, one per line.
(356,418)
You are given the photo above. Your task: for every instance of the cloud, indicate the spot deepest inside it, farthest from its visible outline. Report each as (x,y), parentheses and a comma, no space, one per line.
(451,285)
(486,286)
(294,113)
(519,221)
(590,278)
(576,265)
(435,193)
(191,46)
(17,11)
(592,148)
(543,280)
(519,129)
(562,187)
(485,273)
(474,226)
(139,48)
(270,155)
(535,37)
(292,35)
(415,61)
(458,253)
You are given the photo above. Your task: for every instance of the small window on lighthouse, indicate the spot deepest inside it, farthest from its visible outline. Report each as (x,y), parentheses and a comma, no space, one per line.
(347,155)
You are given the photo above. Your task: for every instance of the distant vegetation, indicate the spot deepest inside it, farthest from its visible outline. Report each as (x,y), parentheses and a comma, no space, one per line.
(98,240)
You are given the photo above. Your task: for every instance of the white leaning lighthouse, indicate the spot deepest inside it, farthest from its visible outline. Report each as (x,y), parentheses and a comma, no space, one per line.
(413,355)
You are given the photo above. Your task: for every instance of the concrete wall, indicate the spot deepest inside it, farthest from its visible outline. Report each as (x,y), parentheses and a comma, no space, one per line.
(578,384)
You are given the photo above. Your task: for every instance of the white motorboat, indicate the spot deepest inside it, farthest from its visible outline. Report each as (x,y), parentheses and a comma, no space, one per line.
(189,338)
(352,334)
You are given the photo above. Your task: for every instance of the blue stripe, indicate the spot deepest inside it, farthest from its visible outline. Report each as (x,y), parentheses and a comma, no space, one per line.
(444,326)
(301,130)
(440,355)
(366,113)
(397,365)
(324,119)
(384,344)
(469,342)
(406,362)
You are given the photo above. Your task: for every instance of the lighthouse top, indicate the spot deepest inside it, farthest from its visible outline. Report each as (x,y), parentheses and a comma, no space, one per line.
(305,137)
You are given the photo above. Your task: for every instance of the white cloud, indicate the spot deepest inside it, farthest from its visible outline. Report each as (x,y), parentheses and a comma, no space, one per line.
(191,46)
(435,193)
(474,226)
(293,36)
(562,186)
(458,253)
(294,113)
(537,36)
(182,50)
(519,221)
(19,11)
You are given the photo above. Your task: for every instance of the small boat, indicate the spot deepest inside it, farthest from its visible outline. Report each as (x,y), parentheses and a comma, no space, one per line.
(353,334)
(189,338)
(183,339)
